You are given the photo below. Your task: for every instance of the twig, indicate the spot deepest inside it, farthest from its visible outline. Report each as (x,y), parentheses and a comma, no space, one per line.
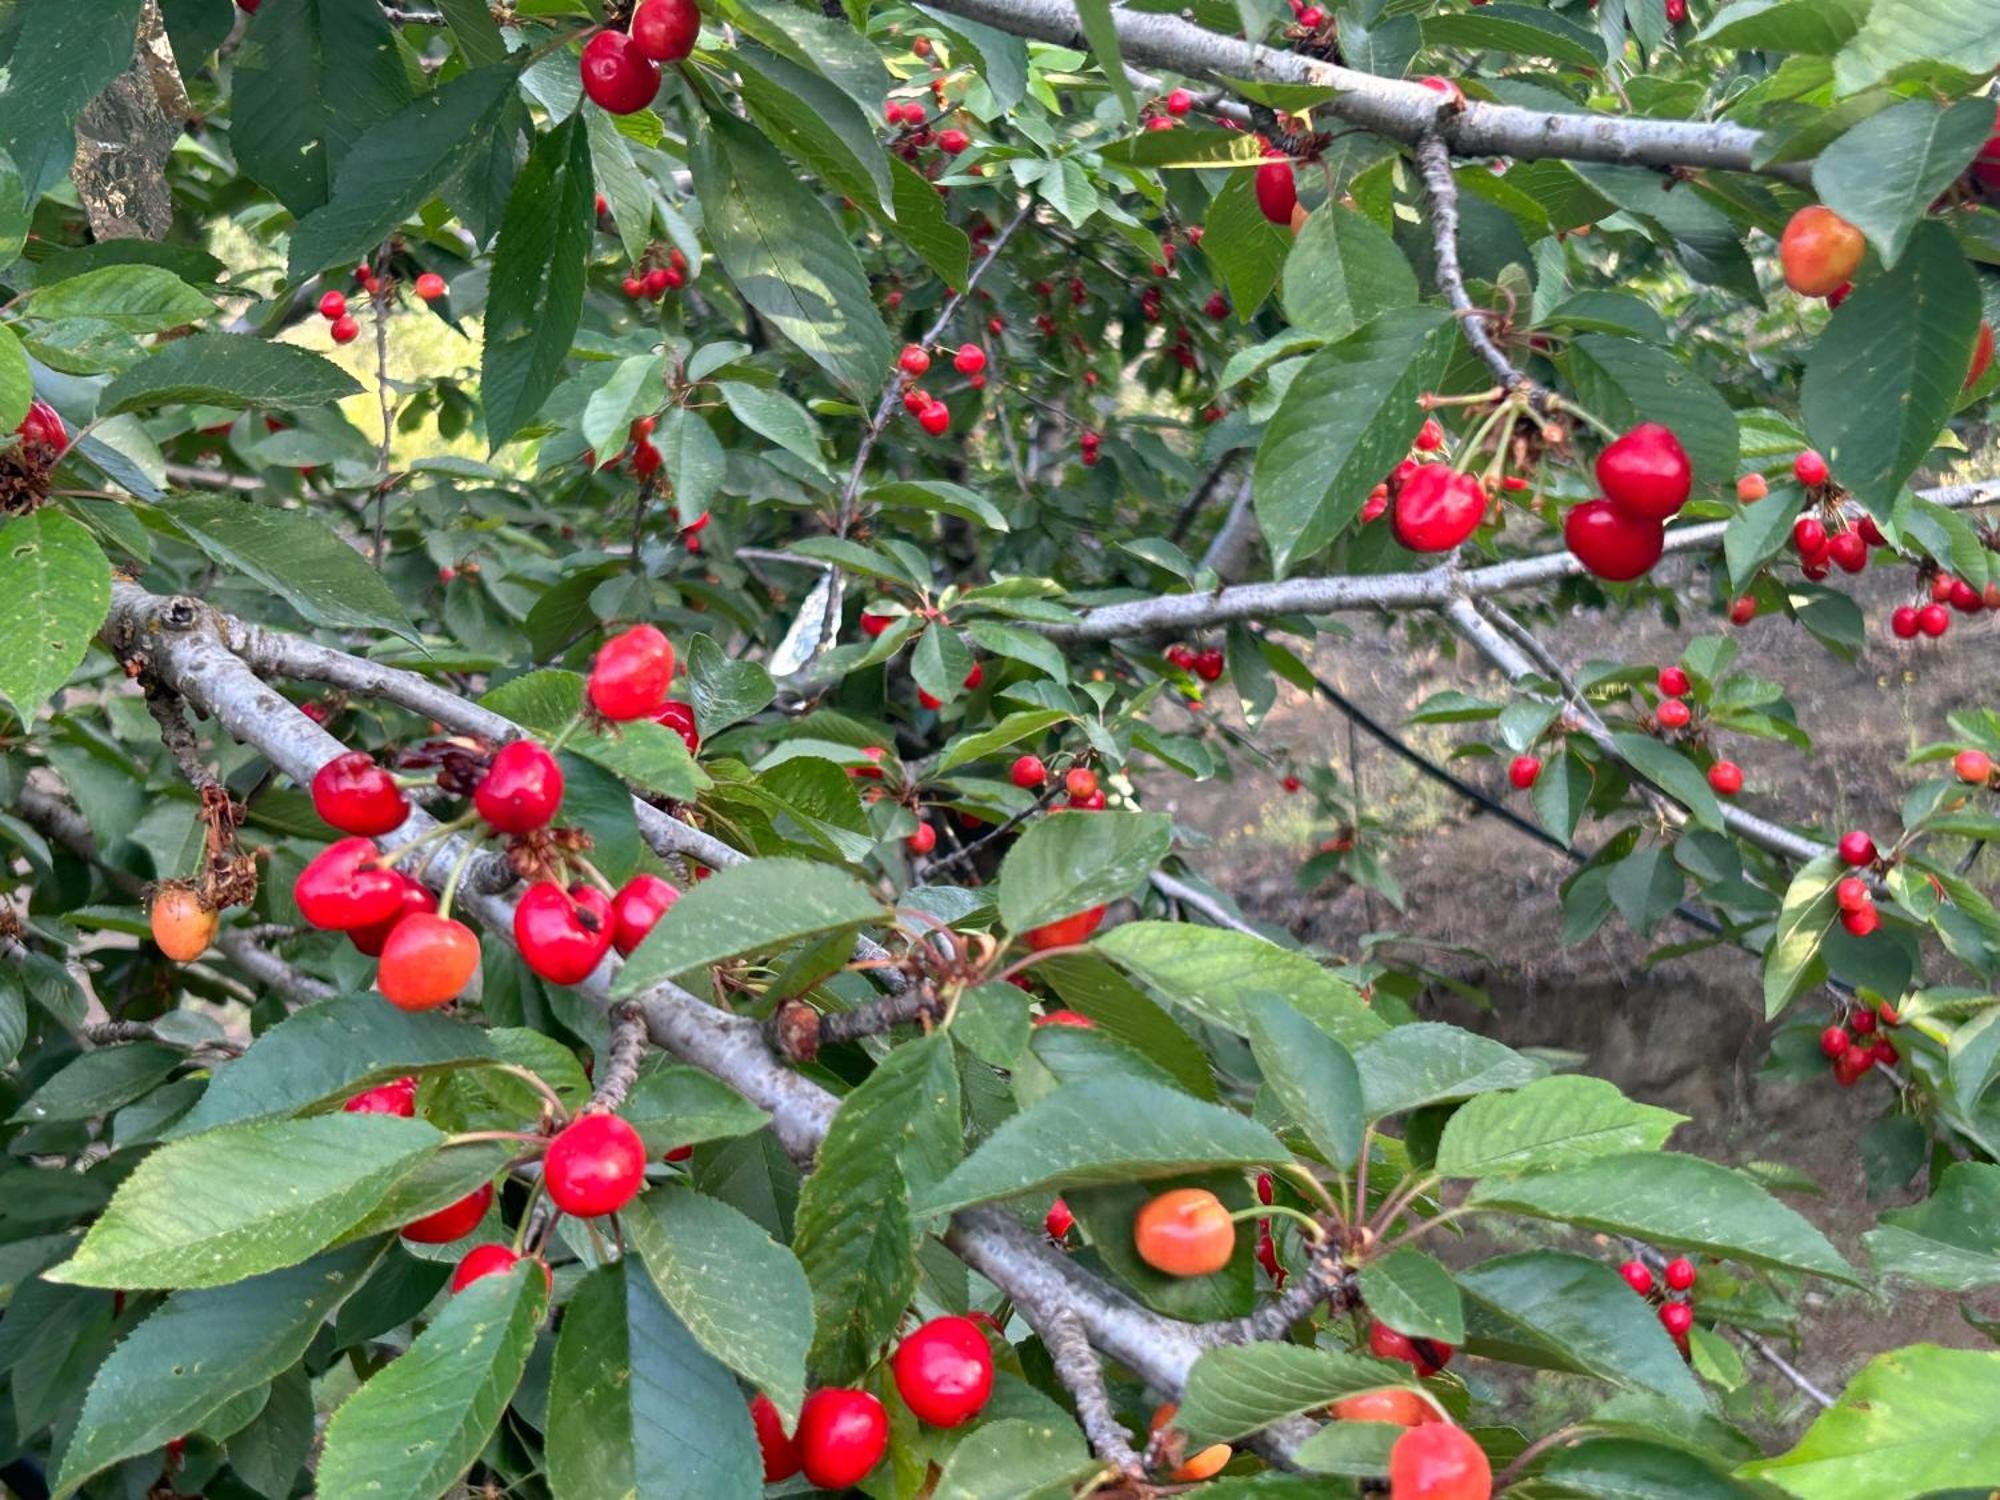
(998,831)
(164,704)
(1791,1372)
(619,1068)
(1327,1279)
(1077,1367)
(1434,162)
(378,302)
(1530,1453)
(798,1031)
(1201,901)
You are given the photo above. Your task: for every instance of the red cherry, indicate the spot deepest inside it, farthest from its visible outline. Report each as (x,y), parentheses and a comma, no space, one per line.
(345,330)
(1208,665)
(1903,622)
(1725,778)
(1028,772)
(427,961)
(944,1371)
(563,935)
(656,281)
(1966,599)
(679,717)
(398,1098)
(1679,1274)
(1065,1018)
(874,625)
(1610,544)
(969,360)
(1861,923)
(1677,12)
(521,790)
(333,307)
(1849,551)
(1437,508)
(1425,1356)
(490,1260)
(1933,620)
(953,142)
(617,75)
(1179,102)
(935,418)
(1742,611)
(373,938)
(452,1222)
(1674,682)
(1430,437)
(1646,473)
(430,286)
(1834,1040)
(665,30)
(922,841)
(1676,1317)
(976,676)
(1291,783)
(595,1165)
(1974,767)
(842,1437)
(1851,1065)
(1637,1277)
(632,673)
(1809,537)
(914,360)
(352,793)
(1857,848)
(1438,1461)
(633,287)
(640,902)
(1864,1022)
(43,425)
(1064,932)
(781,1454)
(1523,771)
(1851,894)
(1312,17)
(1673,714)
(344,888)
(1080,781)
(1093,803)
(1057,1223)
(1277,191)
(1884,1052)
(1810,469)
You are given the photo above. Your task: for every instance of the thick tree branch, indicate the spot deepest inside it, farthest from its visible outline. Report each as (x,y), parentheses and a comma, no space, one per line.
(1077,1368)
(618,1069)
(1391,107)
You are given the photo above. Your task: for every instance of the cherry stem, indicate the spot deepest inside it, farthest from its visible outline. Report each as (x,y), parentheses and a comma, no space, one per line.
(1530,1453)
(1399,1201)
(425,839)
(474,1137)
(528,1214)
(1036,957)
(1315,1231)
(1473,444)
(458,873)
(1562,403)
(594,875)
(1412,1235)
(563,734)
(540,1085)
(1293,1172)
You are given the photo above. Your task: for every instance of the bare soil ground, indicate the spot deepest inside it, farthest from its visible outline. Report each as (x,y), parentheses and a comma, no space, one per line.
(1687,1033)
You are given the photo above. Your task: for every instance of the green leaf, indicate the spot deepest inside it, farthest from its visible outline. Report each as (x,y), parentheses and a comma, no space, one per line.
(1519,29)
(1902,33)
(1415,1295)
(1673,773)
(1356,1448)
(894,1139)
(1344,270)
(63,56)
(1947,1240)
(228,369)
(1676,1200)
(1235,1390)
(1756,533)
(787,257)
(1026,724)
(198,1350)
(310,77)
(1313,1076)
(100,1081)
(1582,1311)
(55,590)
(1068,863)
(1916,1421)
(1622,1468)
(775,415)
(650,756)
(1792,962)
(1562,794)
(1626,383)
(921,222)
(326,1052)
(1931,147)
(937,495)
(17,385)
(130,298)
(677,1106)
(400,164)
(818,125)
(1091,986)
(724,690)
(1219,975)
(1016,1459)
(536,291)
(252,1198)
(754,907)
(1102,1132)
(1101,31)
(1646,886)
(740,1293)
(419,1422)
(628,193)
(637,1406)
(1247,249)
(1553,1122)
(297,556)
(1349,415)
(1885,375)
(1816,27)
(1430,1062)
(636,387)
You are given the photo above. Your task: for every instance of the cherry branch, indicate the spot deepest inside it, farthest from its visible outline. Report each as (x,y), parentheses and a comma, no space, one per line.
(620,1064)
(1434,162)
(1404,111)
(798,1032)
(1077,1368)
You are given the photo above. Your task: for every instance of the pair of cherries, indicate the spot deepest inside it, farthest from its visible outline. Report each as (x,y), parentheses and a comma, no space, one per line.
(564,934)
(621,70)
(1646,478)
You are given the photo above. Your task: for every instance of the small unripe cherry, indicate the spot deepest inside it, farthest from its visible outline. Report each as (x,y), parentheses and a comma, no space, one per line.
(1725,778)
(1751,488)
(1523,771)
(1974,767)
(1677,1318)
(1679,1274)
(1857,848)
(1184,1232)
(182,926)
(1637,1277)
(1810,469)
(1028,772)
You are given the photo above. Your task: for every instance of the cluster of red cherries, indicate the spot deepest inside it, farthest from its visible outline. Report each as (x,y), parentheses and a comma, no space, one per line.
(653,278)
(915,362)
(621,69)
(1207,663)
(333,305)
(1849,1048)
(425,957)
(1676,1304)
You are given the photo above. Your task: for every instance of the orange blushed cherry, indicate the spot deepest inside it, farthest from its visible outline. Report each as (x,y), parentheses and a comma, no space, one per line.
(1439,1461)
(182,927)
(1080,781)
(1751,488)
(1184,1232)
(595,1165)
(1204,1464)
(430,286)
(944,1371)
(452,1222)
(427,961)
(1974,767)
(1397,1405)
(1820,251)
(842,1436)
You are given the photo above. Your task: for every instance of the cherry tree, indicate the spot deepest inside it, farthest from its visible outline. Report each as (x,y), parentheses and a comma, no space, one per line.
(592,597)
